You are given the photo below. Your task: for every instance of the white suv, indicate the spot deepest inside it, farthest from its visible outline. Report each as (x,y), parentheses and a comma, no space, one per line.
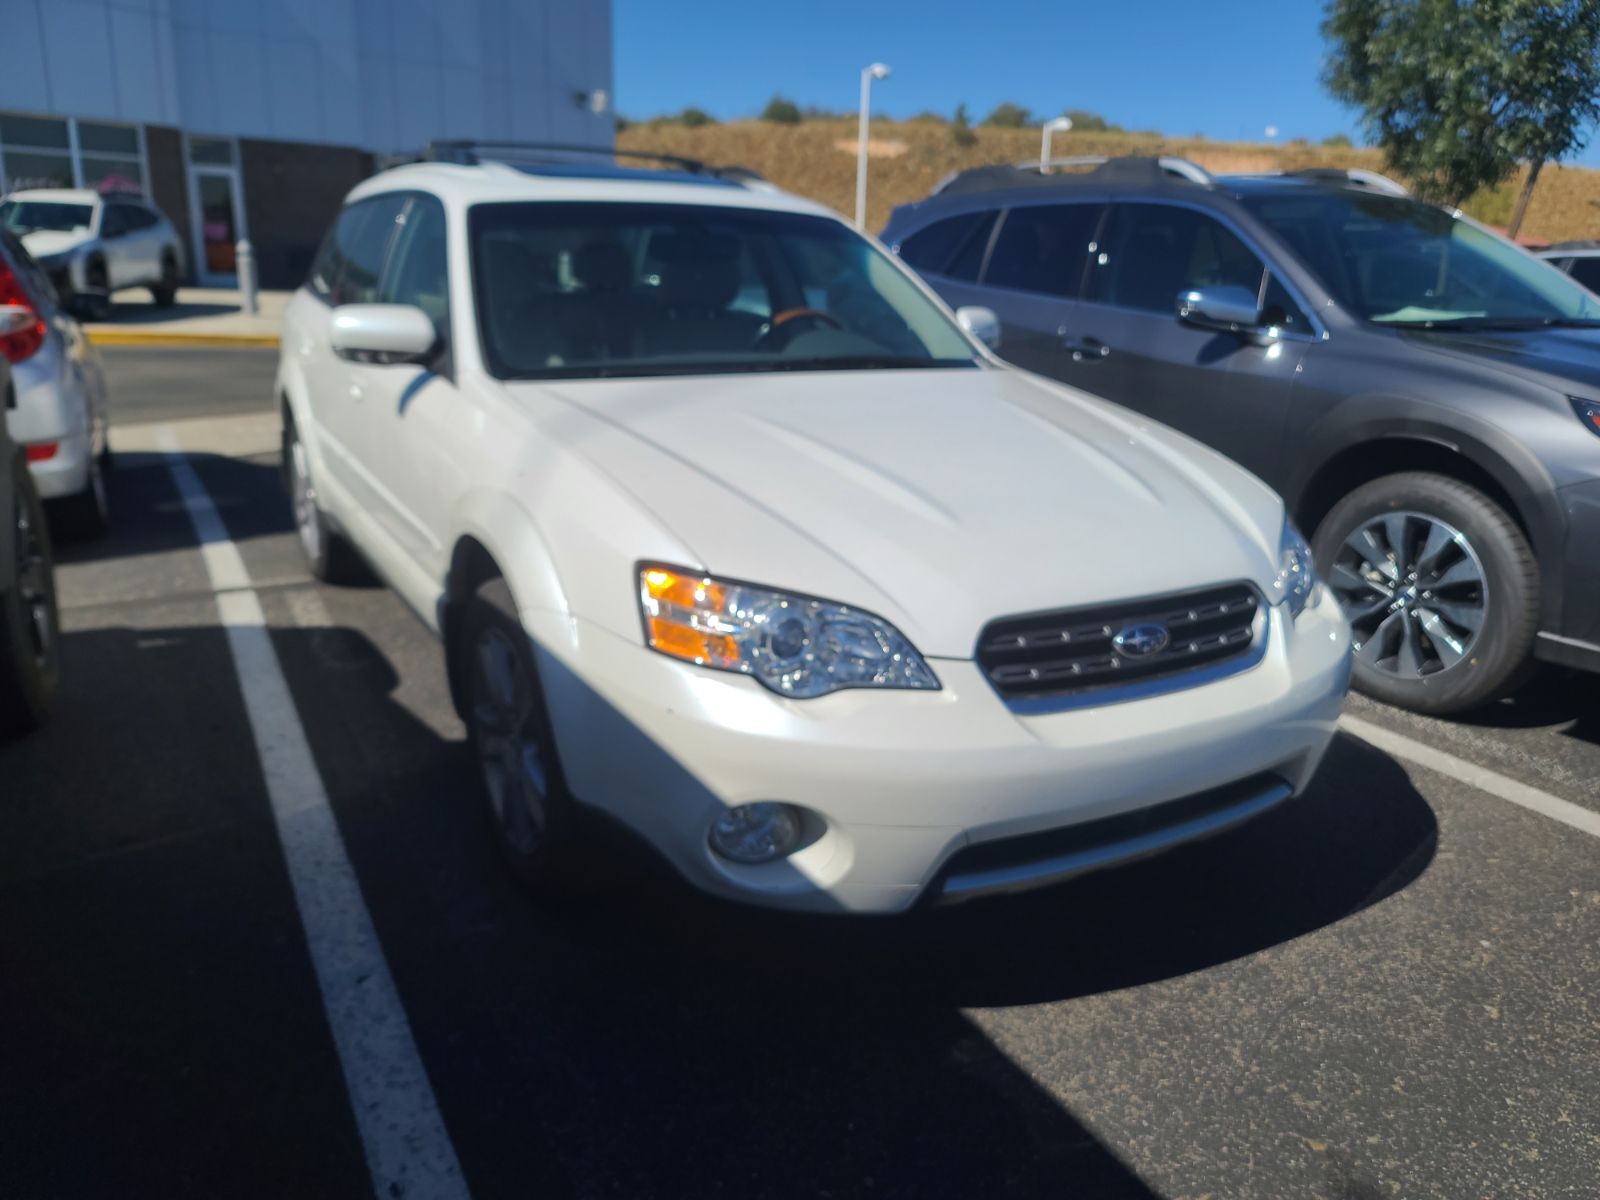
(92,244)
(734,533)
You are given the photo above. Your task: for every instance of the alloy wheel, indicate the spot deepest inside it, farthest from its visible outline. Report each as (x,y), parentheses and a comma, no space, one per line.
(305,501)
(506,734)
(1415,592)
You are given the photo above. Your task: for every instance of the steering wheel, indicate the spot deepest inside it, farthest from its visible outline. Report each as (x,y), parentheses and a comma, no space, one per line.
(764,336)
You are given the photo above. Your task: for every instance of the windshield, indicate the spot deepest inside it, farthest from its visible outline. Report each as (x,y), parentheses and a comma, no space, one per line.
(30,216)
(1401,262)
(597,290)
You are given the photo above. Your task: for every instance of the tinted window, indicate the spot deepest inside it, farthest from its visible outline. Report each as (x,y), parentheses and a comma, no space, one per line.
(26,216)
(1587,272)
(112,223)
(1042,248)
(418,269)
(1279,309)
(1151,252)
(136,218)
(353,255)
(941,244)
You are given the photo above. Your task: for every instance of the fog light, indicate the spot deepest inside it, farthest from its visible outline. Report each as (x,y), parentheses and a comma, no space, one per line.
(756,833)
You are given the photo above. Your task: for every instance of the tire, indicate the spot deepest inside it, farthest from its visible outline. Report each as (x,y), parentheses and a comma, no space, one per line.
(96,300)
(30,630)
(329,555)
(87,515)
(165,293)
(1441,588)
(538,827)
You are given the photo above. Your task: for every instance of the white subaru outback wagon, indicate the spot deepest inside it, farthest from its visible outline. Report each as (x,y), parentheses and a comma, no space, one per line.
(734,533)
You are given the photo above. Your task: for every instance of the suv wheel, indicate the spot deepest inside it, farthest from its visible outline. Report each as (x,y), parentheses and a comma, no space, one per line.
(1441,588)
(165,293)
(95,303)
(536,823)
(29,629)
(329,555)
(87,515)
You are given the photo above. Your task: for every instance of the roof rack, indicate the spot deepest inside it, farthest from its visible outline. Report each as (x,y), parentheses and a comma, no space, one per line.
(469,152)
(1127,168)
(1368,181)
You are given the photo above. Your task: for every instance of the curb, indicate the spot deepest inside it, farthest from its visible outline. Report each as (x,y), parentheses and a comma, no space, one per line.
(113,336)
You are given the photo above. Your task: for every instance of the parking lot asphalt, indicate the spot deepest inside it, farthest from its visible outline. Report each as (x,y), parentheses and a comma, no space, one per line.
(1389,987)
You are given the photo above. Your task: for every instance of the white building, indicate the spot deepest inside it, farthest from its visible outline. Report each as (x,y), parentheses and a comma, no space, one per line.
(253,117)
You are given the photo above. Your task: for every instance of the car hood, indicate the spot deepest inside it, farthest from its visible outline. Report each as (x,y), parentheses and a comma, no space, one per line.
(939,499)
(1550,356)
(43,243)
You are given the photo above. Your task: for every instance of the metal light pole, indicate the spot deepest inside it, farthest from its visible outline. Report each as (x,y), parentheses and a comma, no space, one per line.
(1059,125)
(868,74)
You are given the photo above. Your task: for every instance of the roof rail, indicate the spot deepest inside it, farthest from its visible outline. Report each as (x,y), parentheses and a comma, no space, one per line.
(1369,181)
(469,152)
(1128,168)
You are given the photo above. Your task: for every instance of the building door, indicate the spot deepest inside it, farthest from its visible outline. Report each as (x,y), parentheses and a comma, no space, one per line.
(215,199)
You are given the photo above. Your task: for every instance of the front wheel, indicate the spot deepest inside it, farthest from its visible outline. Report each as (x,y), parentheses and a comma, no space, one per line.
(30,668)
(87,515)
(165,293)
(536,823)
(1441,588)
(329,556)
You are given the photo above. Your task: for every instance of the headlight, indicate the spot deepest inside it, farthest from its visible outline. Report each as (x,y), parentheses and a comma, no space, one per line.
(1588,412)
(1297,574)
(795,645)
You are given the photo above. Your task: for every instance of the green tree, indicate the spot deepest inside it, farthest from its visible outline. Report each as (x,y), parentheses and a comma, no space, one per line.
(1084,121)
(961,127)
(1458,94)
(1338,141)
(1008,116)
(781,111)
(693,118)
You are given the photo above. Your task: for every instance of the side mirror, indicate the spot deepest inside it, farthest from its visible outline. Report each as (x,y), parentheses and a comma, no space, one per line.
(1226,309)
(383,333)
(981,323)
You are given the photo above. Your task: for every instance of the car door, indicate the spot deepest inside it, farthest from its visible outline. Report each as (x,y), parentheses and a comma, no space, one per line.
(1127,343)
(348,271)
(1032,275)
(950,252)
(113,235)
(408,433)
(142,243)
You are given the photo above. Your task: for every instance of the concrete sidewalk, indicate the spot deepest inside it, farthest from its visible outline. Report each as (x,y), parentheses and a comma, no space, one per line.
(201,317)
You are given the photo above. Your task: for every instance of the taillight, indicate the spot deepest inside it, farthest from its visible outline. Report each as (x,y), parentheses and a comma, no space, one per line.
(41,451)
(22,330)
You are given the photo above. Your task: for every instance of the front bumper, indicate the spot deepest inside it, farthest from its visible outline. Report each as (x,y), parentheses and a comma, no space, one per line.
(900,783)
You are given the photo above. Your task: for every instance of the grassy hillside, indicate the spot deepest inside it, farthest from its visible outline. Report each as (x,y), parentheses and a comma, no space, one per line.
(817,159)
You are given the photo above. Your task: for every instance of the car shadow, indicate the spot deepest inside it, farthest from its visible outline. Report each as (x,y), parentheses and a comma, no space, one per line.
(127,311)
(1564,701)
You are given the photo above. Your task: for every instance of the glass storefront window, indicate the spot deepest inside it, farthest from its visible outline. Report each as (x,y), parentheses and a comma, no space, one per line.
(94,138)
(125,173)
(36,133)
(211,151)
(32,168)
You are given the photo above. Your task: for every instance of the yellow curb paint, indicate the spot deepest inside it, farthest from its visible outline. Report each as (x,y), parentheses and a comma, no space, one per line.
(133,337)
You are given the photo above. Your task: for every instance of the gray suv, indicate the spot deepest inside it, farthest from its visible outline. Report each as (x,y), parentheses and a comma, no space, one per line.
(1425,395)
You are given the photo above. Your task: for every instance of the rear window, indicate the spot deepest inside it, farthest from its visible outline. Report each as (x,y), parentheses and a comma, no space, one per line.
(1042,249)
(951,247)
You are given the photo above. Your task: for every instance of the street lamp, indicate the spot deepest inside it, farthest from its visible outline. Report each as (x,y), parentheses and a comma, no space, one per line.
(868,74)
(1059,125)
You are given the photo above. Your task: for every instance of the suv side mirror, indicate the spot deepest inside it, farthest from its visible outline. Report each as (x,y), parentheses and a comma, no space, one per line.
(1224,308)
(981,323)
(383,333)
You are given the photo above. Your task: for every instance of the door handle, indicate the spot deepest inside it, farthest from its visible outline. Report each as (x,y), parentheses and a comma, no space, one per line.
(1086,350)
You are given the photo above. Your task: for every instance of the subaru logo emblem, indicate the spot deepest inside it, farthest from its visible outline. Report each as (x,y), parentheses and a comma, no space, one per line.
(1141,641)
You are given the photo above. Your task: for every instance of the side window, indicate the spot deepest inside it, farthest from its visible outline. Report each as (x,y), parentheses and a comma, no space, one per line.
(112,222)
(1278,308)
(1587,272)
(329,263)
(362,236)
(418,271)
(1042,248)
(137,218)
(940,245)
(1154,251)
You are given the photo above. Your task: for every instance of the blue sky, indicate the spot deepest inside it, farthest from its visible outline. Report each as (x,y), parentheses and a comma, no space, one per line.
(1225,68)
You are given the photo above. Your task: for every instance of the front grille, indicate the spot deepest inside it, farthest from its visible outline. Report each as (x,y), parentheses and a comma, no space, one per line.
(1053,654)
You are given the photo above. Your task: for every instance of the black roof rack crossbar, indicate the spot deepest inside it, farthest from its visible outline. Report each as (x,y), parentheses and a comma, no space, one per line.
(469,152)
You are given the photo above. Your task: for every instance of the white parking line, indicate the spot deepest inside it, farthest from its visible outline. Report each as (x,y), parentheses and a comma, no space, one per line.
(408,1151)
(1472,775)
